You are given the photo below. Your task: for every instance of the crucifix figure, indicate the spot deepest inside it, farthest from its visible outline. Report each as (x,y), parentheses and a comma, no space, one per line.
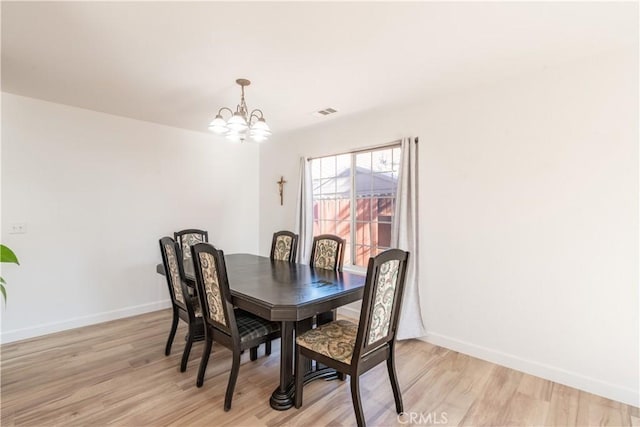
(281,186)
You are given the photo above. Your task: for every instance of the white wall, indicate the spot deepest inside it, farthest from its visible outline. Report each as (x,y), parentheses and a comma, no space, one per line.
(97,192)
(529,216)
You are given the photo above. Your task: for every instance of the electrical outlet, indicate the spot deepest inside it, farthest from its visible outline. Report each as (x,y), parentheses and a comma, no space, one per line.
(18,228)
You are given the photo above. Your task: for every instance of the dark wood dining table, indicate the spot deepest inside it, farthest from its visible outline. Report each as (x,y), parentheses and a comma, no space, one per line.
(288,293)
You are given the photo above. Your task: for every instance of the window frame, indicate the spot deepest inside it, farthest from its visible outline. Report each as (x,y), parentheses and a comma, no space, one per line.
(351,266)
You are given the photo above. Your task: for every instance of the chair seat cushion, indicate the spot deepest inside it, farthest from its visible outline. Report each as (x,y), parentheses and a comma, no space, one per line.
(251,326)
(334,339)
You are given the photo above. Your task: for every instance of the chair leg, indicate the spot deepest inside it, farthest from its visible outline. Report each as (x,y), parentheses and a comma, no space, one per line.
(172,334)
(253,354)
(204,361)
(187,350)
(342,376)
(267,348)
(299,377)
(393,377)
(357,403)
(233,377)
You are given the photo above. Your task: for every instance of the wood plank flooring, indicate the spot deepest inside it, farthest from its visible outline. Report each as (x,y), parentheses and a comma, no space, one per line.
(116,373)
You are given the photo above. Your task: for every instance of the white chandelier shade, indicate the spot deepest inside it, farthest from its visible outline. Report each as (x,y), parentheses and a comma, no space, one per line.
(241,123)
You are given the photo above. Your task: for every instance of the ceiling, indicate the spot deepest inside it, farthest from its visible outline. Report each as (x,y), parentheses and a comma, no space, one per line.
(176,63)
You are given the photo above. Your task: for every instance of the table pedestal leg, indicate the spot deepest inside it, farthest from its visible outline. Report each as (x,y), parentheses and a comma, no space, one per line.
(282,397)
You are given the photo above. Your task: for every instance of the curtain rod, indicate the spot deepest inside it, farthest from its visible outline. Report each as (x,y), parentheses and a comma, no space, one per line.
(395,143)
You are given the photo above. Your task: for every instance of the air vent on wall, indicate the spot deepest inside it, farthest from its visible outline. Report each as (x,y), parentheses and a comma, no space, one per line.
(325,112)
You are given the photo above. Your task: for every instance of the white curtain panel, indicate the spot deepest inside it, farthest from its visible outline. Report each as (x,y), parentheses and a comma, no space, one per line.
(404,235)
(304,212)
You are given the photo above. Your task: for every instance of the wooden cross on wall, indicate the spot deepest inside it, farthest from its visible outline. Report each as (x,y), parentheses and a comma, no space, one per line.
(281,187)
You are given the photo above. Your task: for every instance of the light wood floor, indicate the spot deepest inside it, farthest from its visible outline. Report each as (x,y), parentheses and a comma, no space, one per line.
(116,373)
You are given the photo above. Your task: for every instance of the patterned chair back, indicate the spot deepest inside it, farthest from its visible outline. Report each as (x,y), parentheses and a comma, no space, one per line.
(173,271)
(284,246)
(189,237)
(213,287)
(384,287)
(327,252)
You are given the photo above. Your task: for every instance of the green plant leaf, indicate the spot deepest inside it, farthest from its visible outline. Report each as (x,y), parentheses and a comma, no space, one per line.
(7,255)
(4,293)
(2,281)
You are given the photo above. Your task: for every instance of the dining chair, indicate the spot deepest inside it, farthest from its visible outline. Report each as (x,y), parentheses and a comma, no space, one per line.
(235,329)
(327,252)
(189,237)
(185,306)
(284,246)
(354,349)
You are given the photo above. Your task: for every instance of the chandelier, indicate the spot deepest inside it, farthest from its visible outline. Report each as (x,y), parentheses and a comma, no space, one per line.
(241,123)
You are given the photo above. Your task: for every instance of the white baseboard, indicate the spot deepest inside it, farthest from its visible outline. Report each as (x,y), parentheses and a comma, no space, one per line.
(76,322)
(552,373)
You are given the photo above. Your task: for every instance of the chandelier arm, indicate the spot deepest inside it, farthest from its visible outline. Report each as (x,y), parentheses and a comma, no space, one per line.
(254,113)
(242,109)
(223,109)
